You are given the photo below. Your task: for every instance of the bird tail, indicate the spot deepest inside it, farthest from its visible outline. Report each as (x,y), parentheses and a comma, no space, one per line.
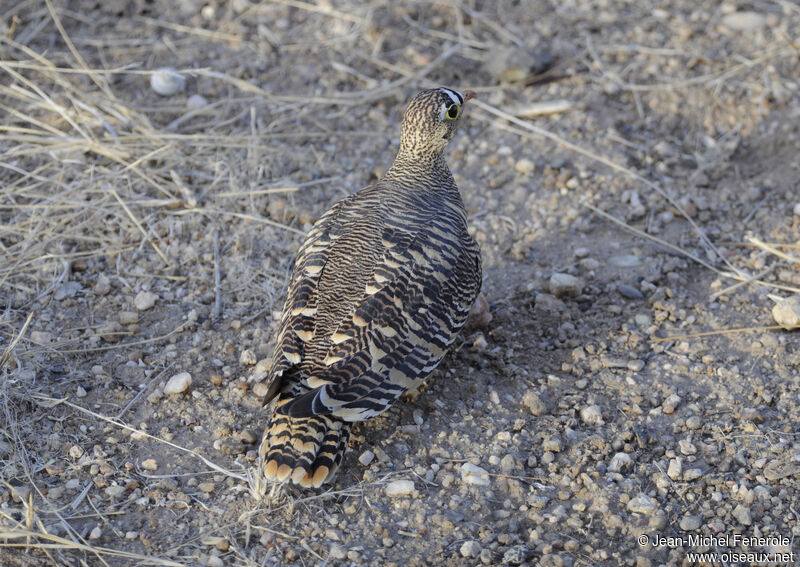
(306,451)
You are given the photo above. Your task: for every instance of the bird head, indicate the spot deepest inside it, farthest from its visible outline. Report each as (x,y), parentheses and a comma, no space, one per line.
(431,119)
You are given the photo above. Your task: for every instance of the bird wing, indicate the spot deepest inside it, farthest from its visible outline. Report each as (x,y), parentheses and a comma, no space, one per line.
(409,290)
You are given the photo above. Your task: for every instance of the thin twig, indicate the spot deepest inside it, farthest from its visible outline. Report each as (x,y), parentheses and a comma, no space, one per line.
(12,345)
(217,278)
(712,333)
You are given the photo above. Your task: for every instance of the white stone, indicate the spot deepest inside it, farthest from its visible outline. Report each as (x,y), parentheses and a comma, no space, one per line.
(167,81)
(196,101)
(144,300)
(41,337)
(470,548)
(787,312)
(675,468)
(643,504)
(115,491)
(524,166)
(474,475)
(337,552)
(743,21)
(366,458)
(128,317)
(178,383)
(97,533)
(625,261)
(619,462)
(248,357)
(687,447)
(399,488)
(592,415)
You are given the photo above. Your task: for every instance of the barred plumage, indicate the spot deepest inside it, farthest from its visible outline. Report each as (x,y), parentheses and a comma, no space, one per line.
(379,290)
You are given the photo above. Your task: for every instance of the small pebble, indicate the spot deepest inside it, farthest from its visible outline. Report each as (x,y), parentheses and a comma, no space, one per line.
(337,552)
(115,491)
(690,523)
(675,468)
(508,464)
(524,166)
(796,209)
(692,474)
(565,284)
(687,447)
(470,548)
(103,285)
(625,261)
(474,475)
(643,504)
(128,317)
(743,21)
(178,383)
(787,312)
(96,533)
(248,357)
(399,488)
(167,82)
(693,422)
(366,457)
(110,331)
(144,300)
(246,436)
(68,289)
(552,443)
(150,465)
(196,101)
(80,392)
(670,404)
(635,365)
(480,343)
(619,462)
(592,415)
(742,515)
(534,402)
(630,292)
(215,561)
(515,555)
(41,337)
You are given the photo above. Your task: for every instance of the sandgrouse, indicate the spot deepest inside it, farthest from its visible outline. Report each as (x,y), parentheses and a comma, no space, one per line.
(380,288)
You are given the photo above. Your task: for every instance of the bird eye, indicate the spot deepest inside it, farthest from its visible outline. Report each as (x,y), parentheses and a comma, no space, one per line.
(453,112)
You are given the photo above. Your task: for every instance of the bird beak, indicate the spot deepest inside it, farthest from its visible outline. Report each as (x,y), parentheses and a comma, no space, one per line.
(469,95)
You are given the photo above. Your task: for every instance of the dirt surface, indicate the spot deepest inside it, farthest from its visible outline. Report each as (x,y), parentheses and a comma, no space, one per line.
(121,208)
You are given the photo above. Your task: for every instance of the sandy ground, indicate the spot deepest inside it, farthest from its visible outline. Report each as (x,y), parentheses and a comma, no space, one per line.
(632,174)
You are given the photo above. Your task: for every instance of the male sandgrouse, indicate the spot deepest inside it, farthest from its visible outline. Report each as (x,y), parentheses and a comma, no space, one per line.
(379,290)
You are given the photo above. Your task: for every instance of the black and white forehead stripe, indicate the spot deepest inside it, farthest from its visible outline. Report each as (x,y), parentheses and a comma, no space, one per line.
(455,96)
